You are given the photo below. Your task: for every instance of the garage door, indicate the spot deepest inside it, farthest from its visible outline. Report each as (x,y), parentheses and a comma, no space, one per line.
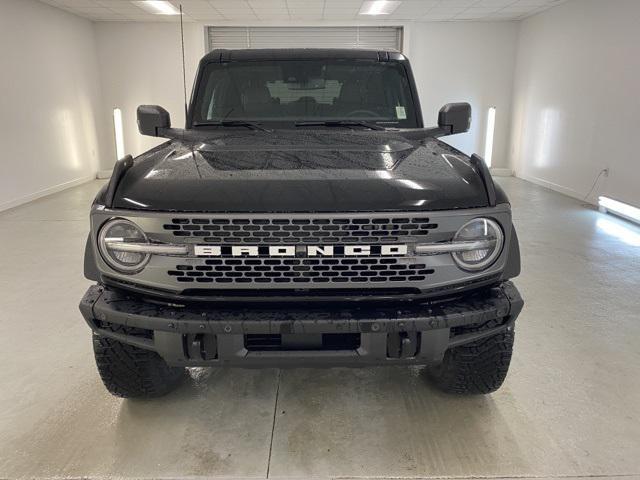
(376,38)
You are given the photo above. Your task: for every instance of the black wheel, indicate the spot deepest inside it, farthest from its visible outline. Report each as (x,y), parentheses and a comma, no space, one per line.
(130,372)
(477,367)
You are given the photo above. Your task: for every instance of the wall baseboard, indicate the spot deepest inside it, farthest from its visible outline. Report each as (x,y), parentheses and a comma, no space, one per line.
(45,192)
(102,174)
(569,192)
(501,172)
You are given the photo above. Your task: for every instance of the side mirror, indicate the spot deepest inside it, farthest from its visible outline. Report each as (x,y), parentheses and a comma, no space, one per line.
(152,118)
(455,118)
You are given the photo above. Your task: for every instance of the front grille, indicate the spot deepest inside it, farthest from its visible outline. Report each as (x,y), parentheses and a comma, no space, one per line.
(316,230)
(283,271)
(222,271)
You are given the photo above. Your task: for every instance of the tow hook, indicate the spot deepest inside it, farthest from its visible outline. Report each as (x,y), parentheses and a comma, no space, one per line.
(402,344)
(200,346)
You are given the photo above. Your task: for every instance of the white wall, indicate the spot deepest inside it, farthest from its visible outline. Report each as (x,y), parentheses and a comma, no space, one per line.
(49,105)
(467,62)
(577,100)
(140,63)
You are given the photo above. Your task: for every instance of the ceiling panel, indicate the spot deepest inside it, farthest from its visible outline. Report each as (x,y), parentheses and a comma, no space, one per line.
(457,3)
(412,9)
(495,4)
(286,10)
(302,9)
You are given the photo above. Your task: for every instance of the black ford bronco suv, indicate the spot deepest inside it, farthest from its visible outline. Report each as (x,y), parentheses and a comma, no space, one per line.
(303,217)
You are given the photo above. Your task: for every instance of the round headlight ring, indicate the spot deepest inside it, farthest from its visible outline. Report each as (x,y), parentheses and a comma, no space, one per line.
(488,230)
(123,262)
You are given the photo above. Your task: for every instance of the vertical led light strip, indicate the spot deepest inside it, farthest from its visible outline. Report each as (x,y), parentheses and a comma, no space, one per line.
(119,134)
(488,141)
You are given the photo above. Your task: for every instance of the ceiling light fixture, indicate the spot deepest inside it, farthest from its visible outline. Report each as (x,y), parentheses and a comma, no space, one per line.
(158,7)
(379,7)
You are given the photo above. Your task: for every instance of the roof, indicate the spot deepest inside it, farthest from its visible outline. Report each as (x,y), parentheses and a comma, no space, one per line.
(220,55)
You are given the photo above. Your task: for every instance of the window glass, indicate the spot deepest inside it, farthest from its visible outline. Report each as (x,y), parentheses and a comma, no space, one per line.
(306,90)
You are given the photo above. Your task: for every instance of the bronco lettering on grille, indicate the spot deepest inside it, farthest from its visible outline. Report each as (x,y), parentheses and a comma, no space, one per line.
(302,250)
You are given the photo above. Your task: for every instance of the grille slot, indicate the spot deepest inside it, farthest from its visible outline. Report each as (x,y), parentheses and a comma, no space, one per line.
(264,342)
(301,270)
(310,231)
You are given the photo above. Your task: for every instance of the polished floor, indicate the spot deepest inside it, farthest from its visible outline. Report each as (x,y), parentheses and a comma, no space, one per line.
(570,406)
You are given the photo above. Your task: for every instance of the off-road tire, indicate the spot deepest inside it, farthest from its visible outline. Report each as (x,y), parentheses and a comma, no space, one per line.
(477,367)
(130,372)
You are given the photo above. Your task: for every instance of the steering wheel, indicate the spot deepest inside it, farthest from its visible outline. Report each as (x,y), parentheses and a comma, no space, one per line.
(356,113)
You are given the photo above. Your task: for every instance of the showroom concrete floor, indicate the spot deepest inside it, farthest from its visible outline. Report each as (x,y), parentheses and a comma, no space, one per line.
(570,405)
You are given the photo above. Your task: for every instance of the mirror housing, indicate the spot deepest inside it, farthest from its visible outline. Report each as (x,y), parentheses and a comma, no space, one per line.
(455,118)
(151,119)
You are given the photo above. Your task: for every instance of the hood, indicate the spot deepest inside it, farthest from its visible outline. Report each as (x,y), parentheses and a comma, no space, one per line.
(301,171)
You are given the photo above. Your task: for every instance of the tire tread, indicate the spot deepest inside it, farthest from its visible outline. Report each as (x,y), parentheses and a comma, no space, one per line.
(478,367)
(129,371)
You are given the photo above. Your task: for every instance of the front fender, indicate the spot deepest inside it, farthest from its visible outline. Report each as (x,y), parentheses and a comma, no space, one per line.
(512,268)
(90,268)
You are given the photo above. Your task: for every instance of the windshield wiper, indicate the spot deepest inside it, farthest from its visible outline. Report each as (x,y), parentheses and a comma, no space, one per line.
(339,123)
(233,123)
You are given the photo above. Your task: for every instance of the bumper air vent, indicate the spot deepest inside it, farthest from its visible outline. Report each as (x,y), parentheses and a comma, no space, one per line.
(299,342)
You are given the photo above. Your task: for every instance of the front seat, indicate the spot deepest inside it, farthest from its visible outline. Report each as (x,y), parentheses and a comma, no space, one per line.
(258,102)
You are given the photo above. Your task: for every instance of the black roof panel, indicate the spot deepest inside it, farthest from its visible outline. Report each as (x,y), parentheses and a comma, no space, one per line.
(222,55)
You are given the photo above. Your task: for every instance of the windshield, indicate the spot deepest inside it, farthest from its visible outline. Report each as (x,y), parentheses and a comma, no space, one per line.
(305,91)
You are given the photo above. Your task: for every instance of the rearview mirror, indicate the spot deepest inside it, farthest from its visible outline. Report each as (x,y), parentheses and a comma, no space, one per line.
(455,118)
(152,118)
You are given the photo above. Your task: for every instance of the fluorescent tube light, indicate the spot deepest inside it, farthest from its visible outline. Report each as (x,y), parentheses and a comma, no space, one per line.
(119,133)
(379,7)
(488,141)
(158,7)
(621,209)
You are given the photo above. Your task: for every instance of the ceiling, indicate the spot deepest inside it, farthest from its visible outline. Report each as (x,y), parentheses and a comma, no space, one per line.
(308,10)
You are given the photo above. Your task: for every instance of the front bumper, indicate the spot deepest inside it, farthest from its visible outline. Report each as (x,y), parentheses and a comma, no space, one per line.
(205,335)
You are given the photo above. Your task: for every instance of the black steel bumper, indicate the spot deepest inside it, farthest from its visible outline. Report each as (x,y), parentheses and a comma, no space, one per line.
(197,335)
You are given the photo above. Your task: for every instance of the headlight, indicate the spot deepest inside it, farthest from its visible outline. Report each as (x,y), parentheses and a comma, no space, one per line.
(488,234)
(115,240)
